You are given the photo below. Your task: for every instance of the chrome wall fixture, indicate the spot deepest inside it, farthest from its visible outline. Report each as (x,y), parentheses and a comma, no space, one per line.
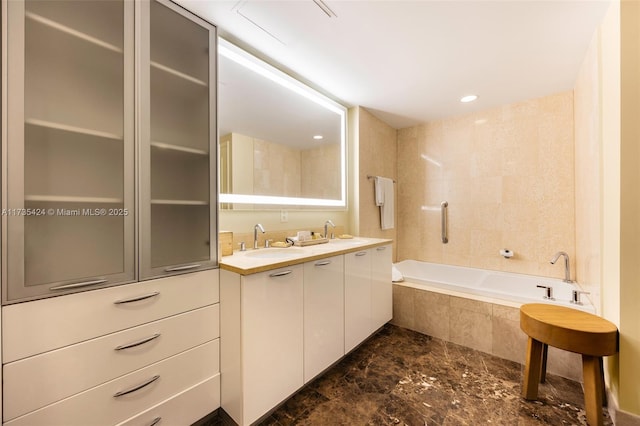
(443,214)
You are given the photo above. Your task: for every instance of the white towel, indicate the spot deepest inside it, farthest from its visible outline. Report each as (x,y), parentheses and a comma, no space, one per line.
(385,200)
(396,275)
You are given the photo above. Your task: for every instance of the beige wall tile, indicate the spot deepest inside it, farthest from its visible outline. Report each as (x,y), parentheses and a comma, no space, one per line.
(508,170)
(431,311)
(471,305)
(403,307)
(565,364)
(471,329)
(508,340)
(377,157)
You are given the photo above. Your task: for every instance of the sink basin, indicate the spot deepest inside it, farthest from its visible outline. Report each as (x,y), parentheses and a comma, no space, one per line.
(275,253)
(347,241)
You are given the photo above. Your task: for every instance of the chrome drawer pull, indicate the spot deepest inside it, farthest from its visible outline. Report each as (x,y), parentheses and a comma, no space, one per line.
(323,263)
(137,342)
(280,274)
(381,248)
(137,387)
(78,285)
(182,268)
(137,298)
(361,253)
(155,421)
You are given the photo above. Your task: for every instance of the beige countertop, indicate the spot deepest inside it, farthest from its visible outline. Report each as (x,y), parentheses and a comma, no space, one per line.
(265,259)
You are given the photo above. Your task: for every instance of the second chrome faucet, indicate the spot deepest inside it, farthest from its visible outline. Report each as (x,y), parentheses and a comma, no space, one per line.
(255,234)
(567,269)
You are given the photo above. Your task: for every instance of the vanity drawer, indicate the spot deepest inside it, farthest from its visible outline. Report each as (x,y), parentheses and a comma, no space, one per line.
(185,408)
(34,382)
(32,328)
(101,406)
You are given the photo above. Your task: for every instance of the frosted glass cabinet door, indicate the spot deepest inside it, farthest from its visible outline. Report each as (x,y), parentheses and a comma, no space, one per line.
(69,215)
(177,136)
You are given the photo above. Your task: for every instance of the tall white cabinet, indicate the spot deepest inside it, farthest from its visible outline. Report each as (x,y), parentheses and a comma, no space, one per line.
(109,225)
(111,158)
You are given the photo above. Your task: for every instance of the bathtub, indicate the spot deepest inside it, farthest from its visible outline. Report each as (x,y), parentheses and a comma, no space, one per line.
(479,309)
(505,288)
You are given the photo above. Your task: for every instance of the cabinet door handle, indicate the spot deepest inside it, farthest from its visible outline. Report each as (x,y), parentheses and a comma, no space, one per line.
(137,342)
(323,263)
(381,248)
(137,298)
(182,268)
(361,253)
(281,273)
(155,421)
(136,387)
(77,285)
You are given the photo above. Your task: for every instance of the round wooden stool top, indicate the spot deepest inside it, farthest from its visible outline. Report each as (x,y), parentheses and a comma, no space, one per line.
(569,329)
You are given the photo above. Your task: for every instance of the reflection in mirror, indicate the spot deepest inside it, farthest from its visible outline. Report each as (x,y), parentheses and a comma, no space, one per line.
(281,143)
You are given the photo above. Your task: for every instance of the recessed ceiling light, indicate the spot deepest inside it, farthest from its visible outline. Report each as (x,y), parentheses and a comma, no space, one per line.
(468,98)
(318,137)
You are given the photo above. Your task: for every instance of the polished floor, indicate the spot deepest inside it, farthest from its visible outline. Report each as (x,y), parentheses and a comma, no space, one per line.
(400,377)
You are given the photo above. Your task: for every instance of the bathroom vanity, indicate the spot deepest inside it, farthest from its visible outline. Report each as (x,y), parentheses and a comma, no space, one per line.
(288,314)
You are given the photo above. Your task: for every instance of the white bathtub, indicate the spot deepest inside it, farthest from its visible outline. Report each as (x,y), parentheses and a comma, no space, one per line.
(491,286)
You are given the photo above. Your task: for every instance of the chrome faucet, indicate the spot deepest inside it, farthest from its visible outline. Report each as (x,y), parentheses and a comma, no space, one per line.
(326,230)
(567,269)
(255,234)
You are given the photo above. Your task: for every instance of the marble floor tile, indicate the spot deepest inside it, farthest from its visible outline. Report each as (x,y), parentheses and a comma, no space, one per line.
(401,377)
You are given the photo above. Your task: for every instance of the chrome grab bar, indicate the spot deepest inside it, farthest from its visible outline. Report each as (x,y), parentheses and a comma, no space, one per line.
(281,273)
(78,285)
(136,387)
(137,298)
(443,214)
(137,342)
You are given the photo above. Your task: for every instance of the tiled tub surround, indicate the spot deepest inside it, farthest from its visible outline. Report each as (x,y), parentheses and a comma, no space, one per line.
(508,175)
(488,325)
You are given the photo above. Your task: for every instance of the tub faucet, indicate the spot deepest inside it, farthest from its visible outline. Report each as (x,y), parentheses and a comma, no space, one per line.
(326,230)
(255,234)
(567,269)
(548,292)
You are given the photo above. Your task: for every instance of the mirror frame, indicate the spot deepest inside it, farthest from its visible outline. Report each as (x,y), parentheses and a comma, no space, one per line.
(241,57)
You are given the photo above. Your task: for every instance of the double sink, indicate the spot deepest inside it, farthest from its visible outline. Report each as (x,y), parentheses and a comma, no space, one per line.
(290,252)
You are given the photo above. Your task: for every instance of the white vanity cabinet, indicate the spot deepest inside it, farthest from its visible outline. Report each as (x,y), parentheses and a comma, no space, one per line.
(381,286)
(323,314)
(262,332)
(367,293)
(284,323)
(357,297)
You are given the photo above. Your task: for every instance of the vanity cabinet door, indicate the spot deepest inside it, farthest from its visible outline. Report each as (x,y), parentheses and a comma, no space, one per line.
(272,338)
(357,297)
(178,148)
(70,146)
(381,287)
(323,314)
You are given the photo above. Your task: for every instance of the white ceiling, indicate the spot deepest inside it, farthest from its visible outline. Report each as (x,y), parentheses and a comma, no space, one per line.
(410,61)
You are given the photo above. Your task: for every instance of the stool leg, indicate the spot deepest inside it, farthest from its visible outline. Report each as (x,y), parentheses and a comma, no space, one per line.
(592,376)
(532,369)
(543,369)
(604,388)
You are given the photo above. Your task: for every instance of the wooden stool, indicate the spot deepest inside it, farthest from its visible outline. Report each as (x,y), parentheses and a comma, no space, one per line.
(572,330)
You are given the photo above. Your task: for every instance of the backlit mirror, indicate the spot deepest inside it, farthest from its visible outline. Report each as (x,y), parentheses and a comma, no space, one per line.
(281,142)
